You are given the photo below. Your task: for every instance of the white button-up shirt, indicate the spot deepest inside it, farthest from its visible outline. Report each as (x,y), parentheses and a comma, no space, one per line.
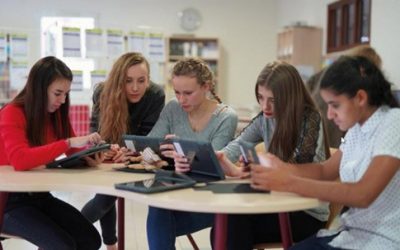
(377,226)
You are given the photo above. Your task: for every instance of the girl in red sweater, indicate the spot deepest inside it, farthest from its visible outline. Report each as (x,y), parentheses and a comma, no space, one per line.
(34,130)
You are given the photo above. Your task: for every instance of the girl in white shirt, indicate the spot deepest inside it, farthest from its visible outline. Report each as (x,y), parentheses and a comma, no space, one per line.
(359,100)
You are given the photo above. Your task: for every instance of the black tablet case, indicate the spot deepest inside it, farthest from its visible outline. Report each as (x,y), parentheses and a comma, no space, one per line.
(205,166)
(223,188)
(76,160)
(179,181)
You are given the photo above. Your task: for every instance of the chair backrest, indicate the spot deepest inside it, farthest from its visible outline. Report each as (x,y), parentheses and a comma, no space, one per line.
(3,202)
(334,210)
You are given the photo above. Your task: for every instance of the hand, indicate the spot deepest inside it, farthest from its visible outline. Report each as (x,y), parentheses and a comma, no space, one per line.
(242,165)
(167,148)
(181,163)
(80,141)
(122,155)
(94,161)
(272,174)
(228,167)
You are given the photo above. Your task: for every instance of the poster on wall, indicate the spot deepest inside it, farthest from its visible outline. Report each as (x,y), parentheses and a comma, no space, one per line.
(19,47)
(3,47)
(98,76)
(77,82)
(71,39)
(137,42)
(156,47)
(18,75)
(4,82)
(115,43)
(94,43)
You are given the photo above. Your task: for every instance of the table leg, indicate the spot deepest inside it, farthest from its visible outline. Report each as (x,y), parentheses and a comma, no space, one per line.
(286,232)
(121,223)
(221,224)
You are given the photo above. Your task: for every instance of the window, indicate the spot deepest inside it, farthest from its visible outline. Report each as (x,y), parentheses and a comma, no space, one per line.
(53,41)
(348,24)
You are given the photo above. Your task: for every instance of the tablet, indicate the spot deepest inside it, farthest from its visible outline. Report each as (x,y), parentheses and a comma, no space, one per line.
(160,183)
(248,153)
(76,160)
(204,164)
(138,143)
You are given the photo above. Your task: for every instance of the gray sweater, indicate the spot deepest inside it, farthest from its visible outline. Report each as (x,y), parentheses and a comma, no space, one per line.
(219,131)
(261,129)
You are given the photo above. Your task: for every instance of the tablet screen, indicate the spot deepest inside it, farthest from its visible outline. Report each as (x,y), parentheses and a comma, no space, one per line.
(154,185)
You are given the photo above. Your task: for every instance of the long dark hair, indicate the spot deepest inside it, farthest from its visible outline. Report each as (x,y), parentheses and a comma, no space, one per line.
(34,100)
(349,74)
(291,100)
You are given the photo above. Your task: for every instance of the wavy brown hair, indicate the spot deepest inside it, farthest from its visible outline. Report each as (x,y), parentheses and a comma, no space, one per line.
(195,67)
(34,100)
(368,52)
(291,100)
(114,114)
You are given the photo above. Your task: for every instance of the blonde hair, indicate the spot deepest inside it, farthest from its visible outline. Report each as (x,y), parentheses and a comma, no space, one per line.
(114,114)
(195,67)
(367,52)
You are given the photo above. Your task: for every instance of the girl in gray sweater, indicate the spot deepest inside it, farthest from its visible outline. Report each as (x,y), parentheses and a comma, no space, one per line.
(193,115)
(291,127)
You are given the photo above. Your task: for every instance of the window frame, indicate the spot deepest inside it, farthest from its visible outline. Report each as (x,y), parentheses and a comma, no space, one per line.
(341,35)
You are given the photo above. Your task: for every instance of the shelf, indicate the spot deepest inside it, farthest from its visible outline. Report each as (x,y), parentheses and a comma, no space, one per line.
(301,46)
(180,47)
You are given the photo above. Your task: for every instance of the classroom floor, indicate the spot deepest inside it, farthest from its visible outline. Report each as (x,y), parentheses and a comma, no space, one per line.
(135,227)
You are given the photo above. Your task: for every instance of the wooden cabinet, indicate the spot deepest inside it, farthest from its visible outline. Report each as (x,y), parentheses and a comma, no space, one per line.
(348,24)
(301,46)
(180,47)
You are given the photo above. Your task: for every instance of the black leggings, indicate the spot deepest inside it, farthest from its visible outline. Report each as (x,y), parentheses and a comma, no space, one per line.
(246,230)
(102,207)
(48,223)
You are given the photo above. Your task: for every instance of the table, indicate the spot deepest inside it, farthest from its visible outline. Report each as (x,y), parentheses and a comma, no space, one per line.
(102,180)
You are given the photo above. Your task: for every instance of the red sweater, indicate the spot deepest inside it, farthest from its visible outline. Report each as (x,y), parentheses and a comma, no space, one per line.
(14,146)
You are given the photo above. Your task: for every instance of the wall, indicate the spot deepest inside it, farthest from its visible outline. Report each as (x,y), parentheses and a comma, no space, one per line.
(246,29)
(385,29)
(385,36)
(309,12)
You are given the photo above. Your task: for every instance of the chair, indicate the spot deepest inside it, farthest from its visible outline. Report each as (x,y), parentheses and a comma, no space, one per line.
(334,210)
(3,201)
(192,242)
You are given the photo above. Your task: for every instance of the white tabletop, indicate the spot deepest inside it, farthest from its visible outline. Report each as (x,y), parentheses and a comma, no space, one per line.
(102,180)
